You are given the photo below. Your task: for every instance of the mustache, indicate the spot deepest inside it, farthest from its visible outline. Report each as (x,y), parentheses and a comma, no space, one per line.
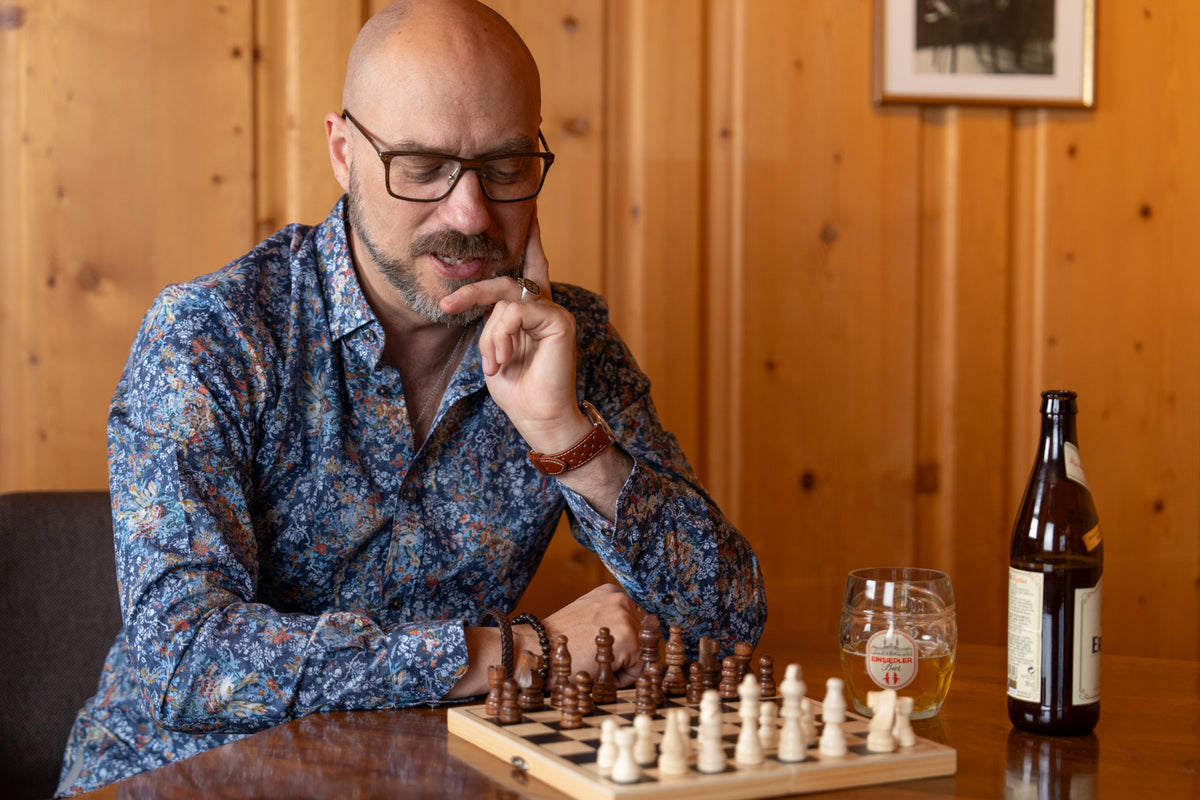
(458,244)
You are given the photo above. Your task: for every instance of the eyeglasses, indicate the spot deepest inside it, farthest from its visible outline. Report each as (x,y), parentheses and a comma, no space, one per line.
(428,177)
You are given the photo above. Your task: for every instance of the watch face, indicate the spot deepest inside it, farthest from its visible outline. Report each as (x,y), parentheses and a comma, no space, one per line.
(594,415)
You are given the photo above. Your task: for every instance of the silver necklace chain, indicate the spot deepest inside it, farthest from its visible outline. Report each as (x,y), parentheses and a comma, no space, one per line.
(435,391)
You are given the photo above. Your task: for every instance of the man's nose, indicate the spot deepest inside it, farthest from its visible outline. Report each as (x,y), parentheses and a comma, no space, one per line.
(466,207)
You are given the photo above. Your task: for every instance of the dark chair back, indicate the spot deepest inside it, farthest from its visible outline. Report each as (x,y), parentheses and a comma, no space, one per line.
(59,614)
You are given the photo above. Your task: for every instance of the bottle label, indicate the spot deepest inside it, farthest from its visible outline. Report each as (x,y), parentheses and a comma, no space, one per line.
(1024,634)
(1074,465)
(1085,669)
(1092,538)
(892,659)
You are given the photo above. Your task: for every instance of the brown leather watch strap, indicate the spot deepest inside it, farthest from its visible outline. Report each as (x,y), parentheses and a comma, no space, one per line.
(580,453)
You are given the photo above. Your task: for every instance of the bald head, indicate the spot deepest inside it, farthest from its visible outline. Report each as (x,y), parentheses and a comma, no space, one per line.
(454,55)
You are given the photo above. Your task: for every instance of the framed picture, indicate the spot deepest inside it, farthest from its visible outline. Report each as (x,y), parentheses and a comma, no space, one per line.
(1002,52)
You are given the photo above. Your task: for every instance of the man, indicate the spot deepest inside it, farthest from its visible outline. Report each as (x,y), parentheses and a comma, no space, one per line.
(318,455)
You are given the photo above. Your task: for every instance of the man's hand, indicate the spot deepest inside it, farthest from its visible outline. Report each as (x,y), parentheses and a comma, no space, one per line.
(606,606)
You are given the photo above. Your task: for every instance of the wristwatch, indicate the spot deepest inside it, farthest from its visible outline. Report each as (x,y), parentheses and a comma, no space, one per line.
(578,454)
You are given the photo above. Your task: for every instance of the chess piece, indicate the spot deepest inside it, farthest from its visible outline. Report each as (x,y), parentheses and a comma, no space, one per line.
(709,661)
(583,693)
(510,703)
(496,675)
(793,744)
(625,768)
(569,716)
(766,675)
(749,750)
(683,721)
(883,716)
(743,652)
(902,730)
(672,759)
(656,681)
(710,745)
(808,720)
(560,669)
(674,681)
(768,725)
(649,636)
(643,703)
(728,687)
(606,754)
(833,737)
(645,748)
(604,687)
(532,698)
(695,683)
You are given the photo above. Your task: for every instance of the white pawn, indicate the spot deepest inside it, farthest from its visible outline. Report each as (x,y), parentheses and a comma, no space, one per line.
(808,720)
(792,742)
(903,730)
(625,769)
(606,754)
(672,759)
(684,723)
(645,750)
(833,738)
(710,745)
(883,715)
(749,750)
(768,725)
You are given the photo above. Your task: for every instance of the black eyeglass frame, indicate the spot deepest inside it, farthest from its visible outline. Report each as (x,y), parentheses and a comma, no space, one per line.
(464,164)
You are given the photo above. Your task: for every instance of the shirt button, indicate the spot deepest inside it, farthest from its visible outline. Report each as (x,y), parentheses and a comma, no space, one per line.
(369,335)
(395,604)
(410,494)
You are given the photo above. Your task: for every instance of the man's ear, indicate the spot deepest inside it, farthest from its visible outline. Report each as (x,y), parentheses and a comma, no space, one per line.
(337,136)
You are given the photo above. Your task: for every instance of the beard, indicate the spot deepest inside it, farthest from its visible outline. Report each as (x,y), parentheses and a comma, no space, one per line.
(404,275)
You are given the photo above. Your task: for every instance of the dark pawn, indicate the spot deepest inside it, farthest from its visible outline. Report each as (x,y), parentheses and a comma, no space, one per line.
(674,682)
(729,678)
(656,682)
(695,684)
(766,675)
(510,703)
(569,716)
(583,693)
(743,652)
(650,636)
(560,669)
(604,688)
(710,662)
(644,699)
(496,675)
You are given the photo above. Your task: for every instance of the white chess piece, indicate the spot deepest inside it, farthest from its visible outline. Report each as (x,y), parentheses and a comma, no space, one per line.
(606,754)
(710,746)
(768,725)
(749,750)
(902,730)
(793,745)
(684,723)
(883,715)
(645,750)
(672,759)
(625,769)
(833,713)
(808,720)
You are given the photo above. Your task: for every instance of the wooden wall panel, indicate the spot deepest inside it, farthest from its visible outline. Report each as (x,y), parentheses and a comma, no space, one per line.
(121,187)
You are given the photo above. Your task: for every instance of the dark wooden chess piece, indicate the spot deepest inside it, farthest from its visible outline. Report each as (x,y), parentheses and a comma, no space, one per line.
(604,687)
(743,652)
(674,681)
(560,669)
(650,636)
(695,684)
(532,698)
(583,690)
(643,702)
(510,704)
(569,716)
(766,675)
(496,675)
(711,663)
(728,688)
(656,674)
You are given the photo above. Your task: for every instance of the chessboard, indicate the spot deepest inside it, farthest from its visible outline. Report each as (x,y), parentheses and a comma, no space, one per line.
(566,758)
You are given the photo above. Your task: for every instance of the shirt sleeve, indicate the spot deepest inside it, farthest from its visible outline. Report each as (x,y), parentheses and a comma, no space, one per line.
(670,547)
(209,654)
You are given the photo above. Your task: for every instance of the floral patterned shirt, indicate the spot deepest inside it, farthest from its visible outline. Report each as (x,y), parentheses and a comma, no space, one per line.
(284,547)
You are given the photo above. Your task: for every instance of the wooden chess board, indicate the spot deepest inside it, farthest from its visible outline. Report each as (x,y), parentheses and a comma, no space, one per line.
(566,758)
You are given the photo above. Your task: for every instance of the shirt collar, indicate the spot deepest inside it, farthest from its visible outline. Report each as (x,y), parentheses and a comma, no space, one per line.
(347,305)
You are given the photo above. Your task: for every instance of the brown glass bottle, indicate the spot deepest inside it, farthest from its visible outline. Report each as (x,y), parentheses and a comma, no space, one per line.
(1054,588)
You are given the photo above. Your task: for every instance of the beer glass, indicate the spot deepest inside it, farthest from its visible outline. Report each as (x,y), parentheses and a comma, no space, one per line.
(899,631)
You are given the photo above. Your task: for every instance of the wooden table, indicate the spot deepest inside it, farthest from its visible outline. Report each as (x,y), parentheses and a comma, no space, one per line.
(1146,745)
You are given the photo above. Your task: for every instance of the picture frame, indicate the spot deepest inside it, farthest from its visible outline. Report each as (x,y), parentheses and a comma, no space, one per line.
(999,52)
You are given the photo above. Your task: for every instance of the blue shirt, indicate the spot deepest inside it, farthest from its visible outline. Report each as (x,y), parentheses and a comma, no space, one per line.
(284,547)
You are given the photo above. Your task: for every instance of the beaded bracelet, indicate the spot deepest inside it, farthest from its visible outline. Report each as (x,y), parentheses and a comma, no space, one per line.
(543,640)
(506,636)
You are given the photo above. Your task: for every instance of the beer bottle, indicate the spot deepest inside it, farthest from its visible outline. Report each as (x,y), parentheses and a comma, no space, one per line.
(1055,564)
